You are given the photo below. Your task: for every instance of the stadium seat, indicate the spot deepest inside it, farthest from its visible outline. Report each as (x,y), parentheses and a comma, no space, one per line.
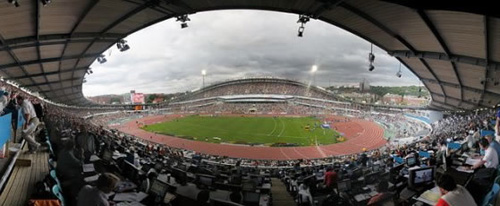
(56,190)
(52,164)
(54,176)
(490,198)
(50,147)
(497,179)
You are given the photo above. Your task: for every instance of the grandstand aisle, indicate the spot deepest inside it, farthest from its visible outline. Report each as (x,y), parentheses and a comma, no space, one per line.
(23,178)
(280,195)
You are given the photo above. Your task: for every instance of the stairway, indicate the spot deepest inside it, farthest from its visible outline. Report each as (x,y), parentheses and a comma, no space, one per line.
(281,197)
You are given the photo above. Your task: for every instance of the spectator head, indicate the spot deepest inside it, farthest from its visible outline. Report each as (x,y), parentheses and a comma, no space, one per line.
(107,182)
(383,186)
(484,143)
(329,169)
(235,196)
(20,99)
(446,183)
(489,138)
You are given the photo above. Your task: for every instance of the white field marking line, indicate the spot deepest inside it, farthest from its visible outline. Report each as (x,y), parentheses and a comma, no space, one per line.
(275,123)
(283,129)
(281,150)
(295,149)
(320,150)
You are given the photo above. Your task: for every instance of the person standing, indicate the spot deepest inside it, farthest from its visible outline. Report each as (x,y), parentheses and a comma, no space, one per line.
(330,179)
(31,123)
(497,125)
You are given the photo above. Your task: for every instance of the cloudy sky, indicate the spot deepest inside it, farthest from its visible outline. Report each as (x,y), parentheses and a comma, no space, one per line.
(239,43)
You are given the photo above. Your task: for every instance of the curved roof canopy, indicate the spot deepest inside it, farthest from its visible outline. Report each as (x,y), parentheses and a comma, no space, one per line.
(49,49)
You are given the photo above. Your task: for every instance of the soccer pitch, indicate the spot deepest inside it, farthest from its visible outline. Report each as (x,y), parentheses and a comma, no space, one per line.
(248,130)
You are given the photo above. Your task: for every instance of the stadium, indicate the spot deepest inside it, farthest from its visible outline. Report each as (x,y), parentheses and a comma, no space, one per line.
(272,98)
(256,140)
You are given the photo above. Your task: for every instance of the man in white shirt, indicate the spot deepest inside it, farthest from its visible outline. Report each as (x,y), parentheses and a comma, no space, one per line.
(490,158)
(31,123)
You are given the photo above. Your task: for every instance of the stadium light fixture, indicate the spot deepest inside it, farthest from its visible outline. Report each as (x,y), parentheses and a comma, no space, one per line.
(371,68)
(14,2)
(203,74)
(46,2)
(122,45)
(371,58)
(303,19)
(183,19)
(399,73)
(101,59)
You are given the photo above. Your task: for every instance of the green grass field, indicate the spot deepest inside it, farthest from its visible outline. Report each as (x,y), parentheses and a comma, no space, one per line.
(248,130)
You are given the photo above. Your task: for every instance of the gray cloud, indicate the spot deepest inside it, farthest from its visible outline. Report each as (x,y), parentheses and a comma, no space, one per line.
(235,44)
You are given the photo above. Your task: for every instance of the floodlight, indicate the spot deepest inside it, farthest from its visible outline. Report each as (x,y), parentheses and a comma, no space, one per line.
(314,68)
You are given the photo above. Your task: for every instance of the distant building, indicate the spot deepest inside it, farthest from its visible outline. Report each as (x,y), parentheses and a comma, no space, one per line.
(127,98)
(106,99)
(395,99)
(364,86)
(360,97)
(158,100)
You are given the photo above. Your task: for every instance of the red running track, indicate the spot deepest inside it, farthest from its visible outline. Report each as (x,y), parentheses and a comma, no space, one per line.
(359,134)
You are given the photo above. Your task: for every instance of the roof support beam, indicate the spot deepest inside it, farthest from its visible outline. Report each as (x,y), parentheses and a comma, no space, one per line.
(450,84)
(437,107)
(87,10)
(142,7)
(376,23)
(389,32)
(441,41)
(52,82)
(62,88)
(444,105)
(433,75)
(454,98)
(442,56)
(37,35)
(55,59)
(486,54)
(56,42)
(66,95)
(47,73)
(16,60)
(326,6)
(58,37)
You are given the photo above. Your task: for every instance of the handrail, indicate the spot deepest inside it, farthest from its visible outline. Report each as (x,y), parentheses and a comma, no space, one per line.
(7,173)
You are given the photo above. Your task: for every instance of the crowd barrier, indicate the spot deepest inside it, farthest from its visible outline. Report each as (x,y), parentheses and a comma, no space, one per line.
(5,129)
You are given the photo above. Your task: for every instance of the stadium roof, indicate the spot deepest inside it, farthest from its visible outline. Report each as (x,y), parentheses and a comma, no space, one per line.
(48,49)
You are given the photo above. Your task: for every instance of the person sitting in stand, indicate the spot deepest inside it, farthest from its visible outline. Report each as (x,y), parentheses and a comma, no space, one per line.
(96,196)
(383,194)
(490,158)
(453,194)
